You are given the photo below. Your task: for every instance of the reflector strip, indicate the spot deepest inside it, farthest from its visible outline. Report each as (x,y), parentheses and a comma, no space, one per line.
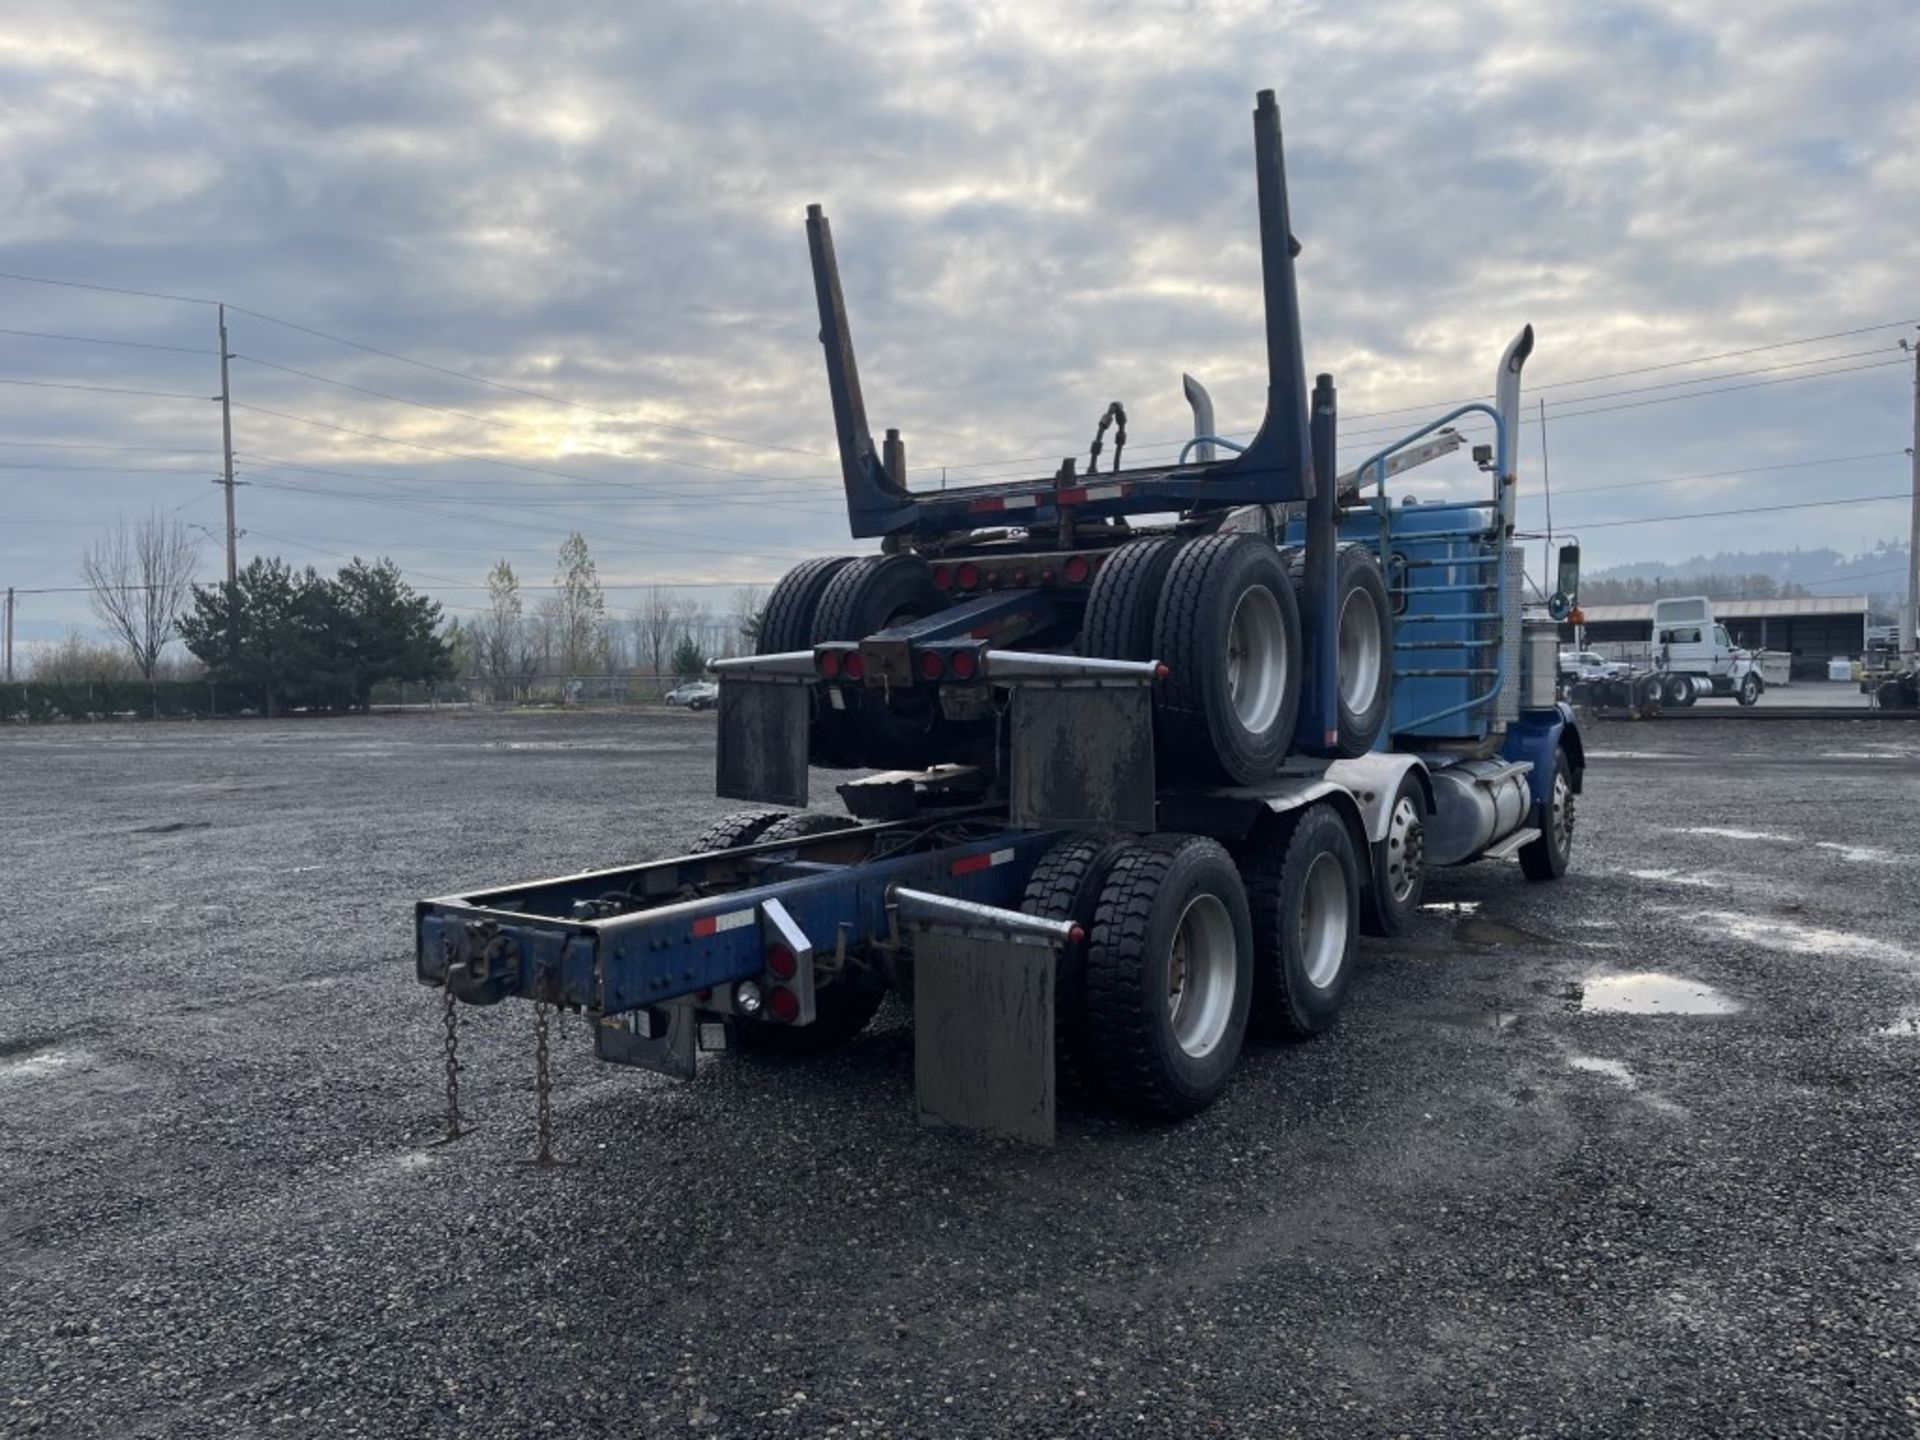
(1021,502)
(1106,492)
(992,502)
(1070,497)
(981,862)
(712,924)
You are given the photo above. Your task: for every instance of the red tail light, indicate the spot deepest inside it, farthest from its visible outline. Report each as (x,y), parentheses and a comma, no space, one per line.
(853,667)
(931,666)
(1077,569)
(783,1004)
(967,576)
(963,664)
(827,662)
(782,964)
(942,578)
(1019,579)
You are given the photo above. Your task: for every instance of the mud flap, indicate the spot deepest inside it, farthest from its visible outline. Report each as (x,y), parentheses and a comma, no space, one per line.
(761,754)
(983,1033)
(659,1038)
(1083,756)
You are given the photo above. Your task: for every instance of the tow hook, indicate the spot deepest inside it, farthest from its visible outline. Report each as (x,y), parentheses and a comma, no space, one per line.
(482,965)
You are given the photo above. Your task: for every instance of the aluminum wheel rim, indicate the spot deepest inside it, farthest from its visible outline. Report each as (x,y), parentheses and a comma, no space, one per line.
(1561,819)
(1359,651)
(1406,849)
(1202,974)
(1257,660)
(1324,921)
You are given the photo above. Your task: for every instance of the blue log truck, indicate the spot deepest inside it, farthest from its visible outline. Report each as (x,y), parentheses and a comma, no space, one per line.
(1143,751)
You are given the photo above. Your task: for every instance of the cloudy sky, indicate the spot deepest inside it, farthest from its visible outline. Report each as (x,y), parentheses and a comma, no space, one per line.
(1038,208)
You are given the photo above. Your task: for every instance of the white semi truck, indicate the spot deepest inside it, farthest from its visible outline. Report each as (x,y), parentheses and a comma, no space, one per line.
(1697,656)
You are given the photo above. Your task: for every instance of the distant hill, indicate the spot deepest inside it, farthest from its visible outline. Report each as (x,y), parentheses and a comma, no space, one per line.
(1879,573)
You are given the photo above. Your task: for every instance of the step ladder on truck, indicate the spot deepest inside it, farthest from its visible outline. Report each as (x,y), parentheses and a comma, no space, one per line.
(1153,746)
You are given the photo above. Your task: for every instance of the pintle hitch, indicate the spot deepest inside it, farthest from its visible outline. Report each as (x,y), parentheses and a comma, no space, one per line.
(482,965)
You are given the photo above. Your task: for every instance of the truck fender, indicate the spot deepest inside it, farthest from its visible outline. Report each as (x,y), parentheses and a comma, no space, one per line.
(1372,781)
(1291,796)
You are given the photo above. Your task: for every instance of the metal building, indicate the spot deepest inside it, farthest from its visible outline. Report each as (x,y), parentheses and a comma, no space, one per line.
(1813,629)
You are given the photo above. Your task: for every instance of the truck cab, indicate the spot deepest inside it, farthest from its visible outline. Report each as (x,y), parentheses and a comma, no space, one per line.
(1699,656)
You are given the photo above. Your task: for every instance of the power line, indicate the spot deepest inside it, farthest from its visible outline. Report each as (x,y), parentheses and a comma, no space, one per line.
(100,340)
(69,445)
(411,360)
(103,389)
(1723,474)
(513,425)
(1716,514)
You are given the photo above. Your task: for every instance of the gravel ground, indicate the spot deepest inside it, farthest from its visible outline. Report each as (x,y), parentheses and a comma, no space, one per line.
(1479,1206)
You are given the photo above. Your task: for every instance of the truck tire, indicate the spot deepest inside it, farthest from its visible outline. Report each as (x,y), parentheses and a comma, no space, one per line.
(1124,597)
(729,832)
(841,1009)
(1303,884)
(1363,643)
(1547,858)
(895,729)
(1228,629)
(1750,688)
(786,624)
(1397,866)
(1169,975)
(1066,885)
(1679,691)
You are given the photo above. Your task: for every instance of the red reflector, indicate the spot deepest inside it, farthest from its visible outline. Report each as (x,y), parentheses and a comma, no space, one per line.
(783,1004)
(781,962)
(1160,672)
(1046,577)
(1019,578)
(853,667)
(1069,497)
(827,662)
(1076,935)
(963,665)
(972,863)
(942,578)
(931,667)
(1078,569)
(705,926)
(967,576)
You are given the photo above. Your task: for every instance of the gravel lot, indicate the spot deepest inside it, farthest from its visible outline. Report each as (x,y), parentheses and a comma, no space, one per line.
(1478,1207)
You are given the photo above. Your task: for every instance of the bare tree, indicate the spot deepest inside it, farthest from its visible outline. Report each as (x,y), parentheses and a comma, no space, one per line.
(656,626)
(503,632)
(749,602)
(582,611)
(141,576)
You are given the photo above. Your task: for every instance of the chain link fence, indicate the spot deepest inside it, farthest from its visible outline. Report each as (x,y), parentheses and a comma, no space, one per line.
(70,701)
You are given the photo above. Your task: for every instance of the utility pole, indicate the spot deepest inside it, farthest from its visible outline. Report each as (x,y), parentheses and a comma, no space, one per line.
(9,634)
(1910,612)
(226,444)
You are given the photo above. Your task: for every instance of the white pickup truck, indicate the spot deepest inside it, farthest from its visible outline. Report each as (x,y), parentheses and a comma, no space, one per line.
(1698,656)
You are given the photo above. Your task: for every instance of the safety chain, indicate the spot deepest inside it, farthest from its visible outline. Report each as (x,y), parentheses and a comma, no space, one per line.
(1116,415)
(451,1044)
(543,1091)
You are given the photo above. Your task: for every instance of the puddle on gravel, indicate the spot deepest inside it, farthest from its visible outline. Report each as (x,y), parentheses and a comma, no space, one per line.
(1480,930)
(1727,832)
(1452,907)
(1612,1069)
(1650,992)
(1799,939)
(40,1065)
(1859,854)
(1676,877)
(1905,1026)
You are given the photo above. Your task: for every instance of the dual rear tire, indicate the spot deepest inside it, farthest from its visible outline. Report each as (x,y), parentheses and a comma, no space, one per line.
(1188,946)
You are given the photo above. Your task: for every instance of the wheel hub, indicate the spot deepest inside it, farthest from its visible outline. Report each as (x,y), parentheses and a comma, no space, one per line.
(1257,659)
(1202,974)
(1324,921)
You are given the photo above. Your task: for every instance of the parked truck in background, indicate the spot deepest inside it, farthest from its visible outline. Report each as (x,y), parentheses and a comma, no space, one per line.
(1697,656)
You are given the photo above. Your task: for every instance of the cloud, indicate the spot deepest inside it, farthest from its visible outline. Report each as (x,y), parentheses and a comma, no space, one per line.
(1037,209)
